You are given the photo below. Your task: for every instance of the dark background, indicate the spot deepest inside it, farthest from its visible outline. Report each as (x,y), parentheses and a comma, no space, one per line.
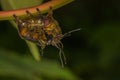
(92,53)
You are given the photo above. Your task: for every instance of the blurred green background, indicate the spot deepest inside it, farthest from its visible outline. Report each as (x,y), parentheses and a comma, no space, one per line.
(92,53)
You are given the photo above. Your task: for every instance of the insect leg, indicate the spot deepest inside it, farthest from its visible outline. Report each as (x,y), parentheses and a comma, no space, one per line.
(41,52)
(16,19)
(29,14)
(50,13)
(42,47)
(61,53)
(39,13)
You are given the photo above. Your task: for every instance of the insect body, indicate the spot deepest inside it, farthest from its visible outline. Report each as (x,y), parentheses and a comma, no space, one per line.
(42,30)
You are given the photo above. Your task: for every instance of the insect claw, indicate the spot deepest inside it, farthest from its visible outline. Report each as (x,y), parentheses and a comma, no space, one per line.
(50,7)
(14,16)
(27,12)
(38,10)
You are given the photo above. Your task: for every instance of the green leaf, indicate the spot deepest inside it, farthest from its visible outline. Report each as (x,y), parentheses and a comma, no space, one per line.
(26,68)
(16,4)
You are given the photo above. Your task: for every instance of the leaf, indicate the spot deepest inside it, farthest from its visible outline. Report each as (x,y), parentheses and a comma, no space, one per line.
(17,4)
(26,68)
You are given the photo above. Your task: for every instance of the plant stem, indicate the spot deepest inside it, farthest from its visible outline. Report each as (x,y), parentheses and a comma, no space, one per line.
(7,15)
(34,50)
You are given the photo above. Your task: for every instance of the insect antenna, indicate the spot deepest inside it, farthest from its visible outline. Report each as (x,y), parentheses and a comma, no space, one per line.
(68,33)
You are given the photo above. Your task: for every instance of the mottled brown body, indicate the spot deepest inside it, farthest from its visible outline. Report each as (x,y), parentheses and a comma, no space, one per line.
(42,30)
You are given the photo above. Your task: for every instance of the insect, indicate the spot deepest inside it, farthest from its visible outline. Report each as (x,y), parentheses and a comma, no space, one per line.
(42,30)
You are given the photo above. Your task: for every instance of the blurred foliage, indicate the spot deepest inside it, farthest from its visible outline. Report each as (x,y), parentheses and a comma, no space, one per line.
(93,53)
(17,67)
(13,4)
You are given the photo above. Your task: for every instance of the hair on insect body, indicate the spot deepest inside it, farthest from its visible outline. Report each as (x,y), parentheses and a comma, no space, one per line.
(42,30)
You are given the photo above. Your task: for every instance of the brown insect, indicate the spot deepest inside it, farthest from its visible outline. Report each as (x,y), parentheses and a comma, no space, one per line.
(42,30)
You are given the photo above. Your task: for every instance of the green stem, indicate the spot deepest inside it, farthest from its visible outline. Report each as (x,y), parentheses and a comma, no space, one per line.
(34,50)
